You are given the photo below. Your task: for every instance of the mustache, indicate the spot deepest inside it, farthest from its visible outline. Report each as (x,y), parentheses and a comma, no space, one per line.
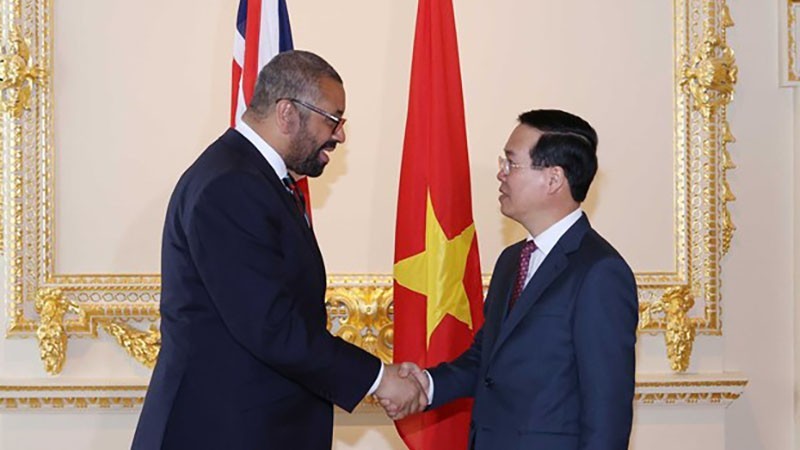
(331,144)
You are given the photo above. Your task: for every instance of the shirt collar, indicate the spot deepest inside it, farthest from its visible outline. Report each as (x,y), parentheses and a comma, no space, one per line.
(269,153)
(548,238)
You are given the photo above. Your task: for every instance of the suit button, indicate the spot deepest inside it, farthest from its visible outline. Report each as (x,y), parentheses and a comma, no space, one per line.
(488,382)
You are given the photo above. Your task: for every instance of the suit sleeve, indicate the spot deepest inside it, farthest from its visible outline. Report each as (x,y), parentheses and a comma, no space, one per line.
(234,239)
(606,317)
(459,378)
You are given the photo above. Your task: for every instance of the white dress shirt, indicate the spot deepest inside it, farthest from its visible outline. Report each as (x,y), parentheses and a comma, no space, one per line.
(273,158)
(547,239)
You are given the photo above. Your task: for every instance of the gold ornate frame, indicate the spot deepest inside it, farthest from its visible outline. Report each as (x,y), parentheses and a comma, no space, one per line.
(53,307)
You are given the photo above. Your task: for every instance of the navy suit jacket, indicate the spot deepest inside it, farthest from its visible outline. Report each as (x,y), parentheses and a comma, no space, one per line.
(246,361)
(557,372)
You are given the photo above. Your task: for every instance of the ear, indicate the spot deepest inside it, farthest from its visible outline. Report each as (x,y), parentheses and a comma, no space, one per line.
(286,117)
(556,179)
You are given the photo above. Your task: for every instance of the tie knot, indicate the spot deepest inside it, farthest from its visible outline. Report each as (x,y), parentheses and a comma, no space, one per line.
(289,182)
(297,195)
(528,248)
(522,271)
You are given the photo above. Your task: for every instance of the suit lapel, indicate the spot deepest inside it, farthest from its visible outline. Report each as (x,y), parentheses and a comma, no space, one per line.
(553,265)
(499,292)
(252,154)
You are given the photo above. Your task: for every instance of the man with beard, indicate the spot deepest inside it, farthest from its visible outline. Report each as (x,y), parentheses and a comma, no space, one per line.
(246,360)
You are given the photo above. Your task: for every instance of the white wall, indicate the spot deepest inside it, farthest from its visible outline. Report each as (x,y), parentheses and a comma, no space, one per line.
(758,296)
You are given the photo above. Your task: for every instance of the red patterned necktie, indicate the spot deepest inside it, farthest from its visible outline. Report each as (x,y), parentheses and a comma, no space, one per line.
(299,201)
(522,272)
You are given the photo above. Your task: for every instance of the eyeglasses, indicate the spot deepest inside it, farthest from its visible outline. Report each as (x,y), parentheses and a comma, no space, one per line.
(337,121)
(505,165)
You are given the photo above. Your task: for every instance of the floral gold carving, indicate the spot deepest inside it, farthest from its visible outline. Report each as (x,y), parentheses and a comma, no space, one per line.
(680,329)
(363,315)
(17,75)
(712,75)
(52,335)
(143,346)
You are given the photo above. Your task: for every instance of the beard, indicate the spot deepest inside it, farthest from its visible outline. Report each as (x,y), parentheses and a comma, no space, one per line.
(310,165)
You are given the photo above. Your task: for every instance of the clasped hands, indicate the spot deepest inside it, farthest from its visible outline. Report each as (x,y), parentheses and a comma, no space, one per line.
(403,390)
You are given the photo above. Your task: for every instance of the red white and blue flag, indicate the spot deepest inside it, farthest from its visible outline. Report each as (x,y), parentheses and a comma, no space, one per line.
(262,31)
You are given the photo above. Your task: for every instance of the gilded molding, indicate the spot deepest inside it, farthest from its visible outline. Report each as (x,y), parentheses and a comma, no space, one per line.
(655,389)
(727,195)
(143,346)
(17,75)
(52,334)
(791,39)
(680,329)
(713,73)
(25,397)
(685,397)
(360,305)
(363,316)
(719,389)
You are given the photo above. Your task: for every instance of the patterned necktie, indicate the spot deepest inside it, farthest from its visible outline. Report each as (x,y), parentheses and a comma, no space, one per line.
(299,201)
(522,272)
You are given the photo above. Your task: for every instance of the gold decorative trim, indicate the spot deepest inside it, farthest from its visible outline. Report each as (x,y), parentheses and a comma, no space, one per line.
(17,75)
(697,389)
(71,388)
(681,384)
(704,81)
(791,38)
(70,402)
(23,397)
(655,389)
(143,346)
(680,330)
(364,316)
(51,332)
(685,397)
(712,75)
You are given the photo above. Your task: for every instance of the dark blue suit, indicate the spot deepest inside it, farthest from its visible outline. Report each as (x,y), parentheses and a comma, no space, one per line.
(557,373)
(246,361)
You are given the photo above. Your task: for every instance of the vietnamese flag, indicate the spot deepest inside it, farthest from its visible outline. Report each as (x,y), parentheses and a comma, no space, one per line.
(438,289)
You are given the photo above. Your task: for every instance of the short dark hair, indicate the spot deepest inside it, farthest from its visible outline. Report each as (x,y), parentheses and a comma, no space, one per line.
(567,141)
(291,74)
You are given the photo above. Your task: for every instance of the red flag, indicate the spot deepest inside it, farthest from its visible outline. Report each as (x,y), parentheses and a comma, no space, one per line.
(437,288)
(262,31)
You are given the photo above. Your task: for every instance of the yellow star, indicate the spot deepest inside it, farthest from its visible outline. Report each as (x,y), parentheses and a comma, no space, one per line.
(438,272)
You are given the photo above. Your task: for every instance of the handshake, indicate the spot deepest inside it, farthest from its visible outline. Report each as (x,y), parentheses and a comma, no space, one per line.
(403,390)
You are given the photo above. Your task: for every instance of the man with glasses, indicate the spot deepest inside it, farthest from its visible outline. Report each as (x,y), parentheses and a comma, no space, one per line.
(553,366)
(246,360)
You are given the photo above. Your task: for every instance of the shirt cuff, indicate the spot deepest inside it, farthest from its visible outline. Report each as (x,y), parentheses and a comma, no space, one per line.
(430,387)
(377,382)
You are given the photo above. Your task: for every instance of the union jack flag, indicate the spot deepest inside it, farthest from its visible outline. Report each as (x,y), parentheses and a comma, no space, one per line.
(262,31)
